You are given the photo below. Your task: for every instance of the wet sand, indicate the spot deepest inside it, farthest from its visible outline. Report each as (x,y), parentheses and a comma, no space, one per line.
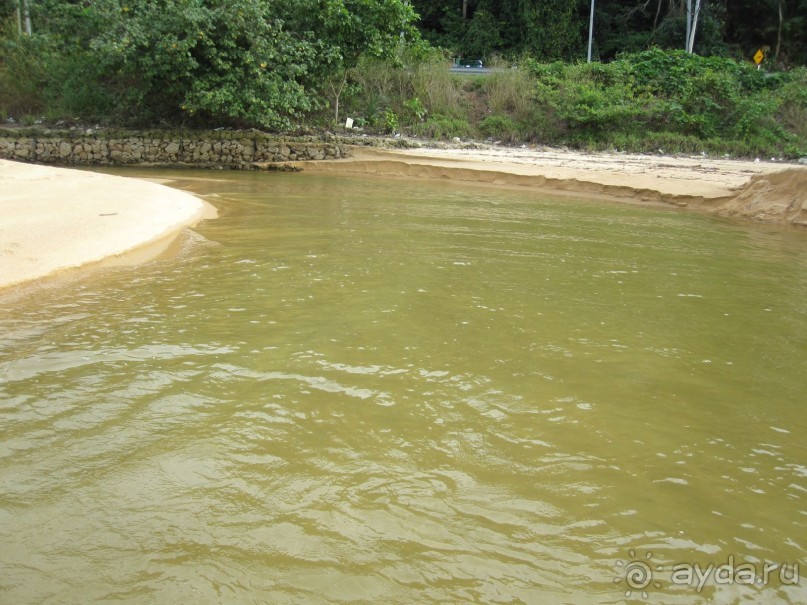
(54,220)
(764,191)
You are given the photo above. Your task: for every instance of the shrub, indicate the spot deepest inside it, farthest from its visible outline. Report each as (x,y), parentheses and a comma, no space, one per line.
(792,110)
(444,127)
(390,121)
(500,127)
(670,100)
(591,100)
(414,111)
(23,73)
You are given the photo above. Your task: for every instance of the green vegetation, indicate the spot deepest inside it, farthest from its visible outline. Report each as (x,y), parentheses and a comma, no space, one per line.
(305,65)
(645,101)
(195,62)
(673,100)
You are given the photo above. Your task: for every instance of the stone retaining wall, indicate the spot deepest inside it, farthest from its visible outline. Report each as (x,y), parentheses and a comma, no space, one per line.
(238,150)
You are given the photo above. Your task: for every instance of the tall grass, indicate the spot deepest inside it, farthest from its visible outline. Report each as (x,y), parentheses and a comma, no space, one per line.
(22,73)
(420,96)
(509,91)
(439,91)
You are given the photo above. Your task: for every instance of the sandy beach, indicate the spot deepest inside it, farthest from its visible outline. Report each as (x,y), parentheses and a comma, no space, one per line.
(56,219)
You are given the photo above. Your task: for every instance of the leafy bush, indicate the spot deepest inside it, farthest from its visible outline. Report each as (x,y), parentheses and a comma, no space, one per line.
(792,110)
(590,99)
(444,127)
(390,121)
(414,111)
(500,127)
(671,100)
(178,59)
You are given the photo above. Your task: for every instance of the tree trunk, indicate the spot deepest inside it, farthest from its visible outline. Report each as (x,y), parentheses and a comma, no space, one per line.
(337,93)
(779,33)
(658,12)
(689,25)
(691,41)
(464,9)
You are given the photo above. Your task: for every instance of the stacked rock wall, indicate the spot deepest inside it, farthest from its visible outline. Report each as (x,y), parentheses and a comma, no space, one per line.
(210,149)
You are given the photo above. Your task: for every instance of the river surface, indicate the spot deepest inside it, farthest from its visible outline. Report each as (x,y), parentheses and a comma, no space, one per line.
(386,391)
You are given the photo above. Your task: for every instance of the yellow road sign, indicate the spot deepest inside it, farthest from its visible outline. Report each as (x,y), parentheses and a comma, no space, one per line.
(759,56)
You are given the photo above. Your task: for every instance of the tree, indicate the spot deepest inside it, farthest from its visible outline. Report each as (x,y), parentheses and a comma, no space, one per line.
(245,62)
(348,29)
(211,59)
(692,24)
(482,37)
(778,24)
(563,39)
(551,29)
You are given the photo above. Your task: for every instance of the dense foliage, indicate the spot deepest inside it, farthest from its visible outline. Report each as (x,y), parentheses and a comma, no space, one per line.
(249,62)
(558,29)
(289,64)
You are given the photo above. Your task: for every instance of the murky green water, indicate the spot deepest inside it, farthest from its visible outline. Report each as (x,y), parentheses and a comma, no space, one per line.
(370,391)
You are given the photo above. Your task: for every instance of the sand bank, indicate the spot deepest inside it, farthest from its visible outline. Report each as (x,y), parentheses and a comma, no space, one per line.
(760,191)
(54,219)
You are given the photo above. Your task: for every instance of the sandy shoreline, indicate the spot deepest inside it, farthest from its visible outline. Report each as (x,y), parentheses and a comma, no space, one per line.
(772,192)
(53,220)
(56,219)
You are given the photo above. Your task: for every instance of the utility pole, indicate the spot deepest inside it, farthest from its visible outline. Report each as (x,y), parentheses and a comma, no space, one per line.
(590,30)
(406,3)
(464,9)
(27,16)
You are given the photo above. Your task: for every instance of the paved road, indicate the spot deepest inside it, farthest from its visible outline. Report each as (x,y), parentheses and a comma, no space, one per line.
(471,71)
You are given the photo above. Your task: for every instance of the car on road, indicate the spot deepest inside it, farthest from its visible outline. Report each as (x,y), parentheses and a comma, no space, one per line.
(475,63)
